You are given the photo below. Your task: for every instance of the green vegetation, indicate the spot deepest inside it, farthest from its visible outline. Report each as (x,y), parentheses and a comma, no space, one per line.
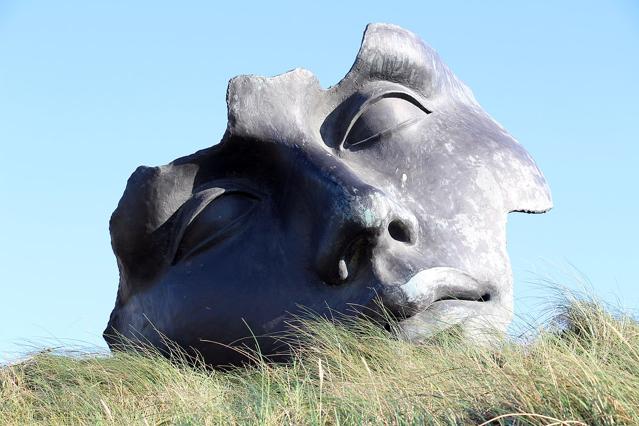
(582,369)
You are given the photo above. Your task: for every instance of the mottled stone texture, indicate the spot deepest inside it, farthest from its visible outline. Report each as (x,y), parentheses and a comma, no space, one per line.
(392,186)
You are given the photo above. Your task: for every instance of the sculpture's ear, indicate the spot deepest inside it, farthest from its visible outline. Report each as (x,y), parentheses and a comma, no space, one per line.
(141,227)
(391,53)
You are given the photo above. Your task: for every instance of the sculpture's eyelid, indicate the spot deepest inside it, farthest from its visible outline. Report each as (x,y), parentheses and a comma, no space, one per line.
(208,196)
(189,211)
(394,94)
(201,200)
(198,203)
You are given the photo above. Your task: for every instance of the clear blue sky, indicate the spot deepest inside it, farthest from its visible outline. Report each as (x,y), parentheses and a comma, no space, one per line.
(91,90)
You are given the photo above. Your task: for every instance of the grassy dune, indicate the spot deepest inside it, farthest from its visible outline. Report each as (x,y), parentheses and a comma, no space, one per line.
(583,369)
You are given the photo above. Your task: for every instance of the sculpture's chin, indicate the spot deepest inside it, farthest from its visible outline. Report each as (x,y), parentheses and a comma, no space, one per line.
(480,322)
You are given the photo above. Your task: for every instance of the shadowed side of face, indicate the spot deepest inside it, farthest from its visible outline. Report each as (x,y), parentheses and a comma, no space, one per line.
(392,186)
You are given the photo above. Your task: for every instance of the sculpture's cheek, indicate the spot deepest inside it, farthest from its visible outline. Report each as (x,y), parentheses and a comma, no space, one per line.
(239,288)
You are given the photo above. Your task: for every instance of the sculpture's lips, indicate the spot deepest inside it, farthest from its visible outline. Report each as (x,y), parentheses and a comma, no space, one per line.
(442,284)
(441,297)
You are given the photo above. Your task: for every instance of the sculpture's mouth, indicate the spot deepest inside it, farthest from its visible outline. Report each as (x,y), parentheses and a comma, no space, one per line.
(439,297)
(482,298)
(444,284)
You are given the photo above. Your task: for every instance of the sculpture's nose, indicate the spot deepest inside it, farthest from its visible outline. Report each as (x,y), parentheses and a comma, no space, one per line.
(357,219)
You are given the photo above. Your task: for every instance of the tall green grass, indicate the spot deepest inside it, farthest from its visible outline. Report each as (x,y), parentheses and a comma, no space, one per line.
(582,369)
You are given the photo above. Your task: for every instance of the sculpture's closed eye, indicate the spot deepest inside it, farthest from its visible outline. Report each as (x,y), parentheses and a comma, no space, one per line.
(216,221)
(381,117)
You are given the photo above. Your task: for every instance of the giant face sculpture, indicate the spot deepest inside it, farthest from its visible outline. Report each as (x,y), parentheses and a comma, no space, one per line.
(392,186)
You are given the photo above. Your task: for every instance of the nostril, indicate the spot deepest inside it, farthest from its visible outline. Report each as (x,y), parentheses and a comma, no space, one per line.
(399,231)
(484,298)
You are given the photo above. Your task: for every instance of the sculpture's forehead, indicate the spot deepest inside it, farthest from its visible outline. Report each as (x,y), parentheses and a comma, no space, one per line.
(292,105)
(293,109)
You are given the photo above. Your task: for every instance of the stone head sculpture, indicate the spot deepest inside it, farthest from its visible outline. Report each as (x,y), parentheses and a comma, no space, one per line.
(390,188)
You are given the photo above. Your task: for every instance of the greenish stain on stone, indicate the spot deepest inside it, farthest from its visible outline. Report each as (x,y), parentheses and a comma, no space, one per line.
(369,217)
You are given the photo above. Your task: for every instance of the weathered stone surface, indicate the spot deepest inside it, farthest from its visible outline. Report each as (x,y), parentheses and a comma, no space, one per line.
(394,184)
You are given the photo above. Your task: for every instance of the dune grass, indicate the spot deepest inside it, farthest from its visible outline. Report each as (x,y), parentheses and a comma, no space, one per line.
(582,369)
